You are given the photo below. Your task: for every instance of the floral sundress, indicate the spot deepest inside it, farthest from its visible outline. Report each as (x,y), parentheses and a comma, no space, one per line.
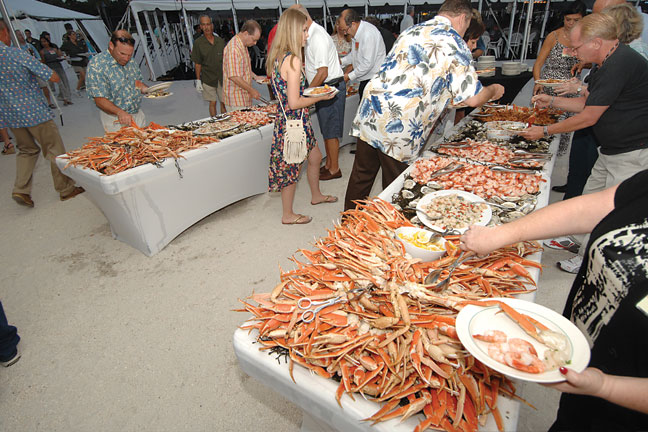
(558,66)
(282,174)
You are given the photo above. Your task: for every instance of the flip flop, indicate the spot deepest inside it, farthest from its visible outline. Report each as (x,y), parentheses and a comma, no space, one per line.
(328,199)
(9,149)
(299,220)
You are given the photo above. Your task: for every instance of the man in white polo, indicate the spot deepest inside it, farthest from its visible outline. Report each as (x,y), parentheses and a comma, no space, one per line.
(323,67)
(367,49)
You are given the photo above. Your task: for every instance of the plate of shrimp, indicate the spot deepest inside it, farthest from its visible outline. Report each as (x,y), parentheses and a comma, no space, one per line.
(522,339)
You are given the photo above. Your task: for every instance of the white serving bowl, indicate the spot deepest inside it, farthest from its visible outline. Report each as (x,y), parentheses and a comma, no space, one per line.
(418,252)
(503,130)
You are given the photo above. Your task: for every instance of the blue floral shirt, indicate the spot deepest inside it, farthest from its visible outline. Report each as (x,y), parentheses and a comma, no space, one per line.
(108,79)
(22,103)
(428,65)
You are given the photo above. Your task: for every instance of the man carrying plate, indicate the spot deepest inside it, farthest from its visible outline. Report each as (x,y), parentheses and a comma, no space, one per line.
(114,82)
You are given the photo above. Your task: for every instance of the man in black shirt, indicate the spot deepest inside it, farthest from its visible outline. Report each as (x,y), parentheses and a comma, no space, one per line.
(615,105)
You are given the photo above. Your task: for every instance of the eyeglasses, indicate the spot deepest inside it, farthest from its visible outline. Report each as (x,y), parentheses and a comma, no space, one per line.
(129,41)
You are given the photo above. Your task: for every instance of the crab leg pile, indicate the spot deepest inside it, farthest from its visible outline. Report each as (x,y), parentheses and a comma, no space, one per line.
(390,337)
(131,146)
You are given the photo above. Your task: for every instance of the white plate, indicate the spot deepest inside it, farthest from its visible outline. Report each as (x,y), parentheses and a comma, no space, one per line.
(477,320)
(483,220)
(550,85)
(158,87)
(309,92)
(151,96)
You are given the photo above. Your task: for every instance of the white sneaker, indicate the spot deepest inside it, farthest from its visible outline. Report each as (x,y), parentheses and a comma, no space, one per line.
(571,265)
(564,243)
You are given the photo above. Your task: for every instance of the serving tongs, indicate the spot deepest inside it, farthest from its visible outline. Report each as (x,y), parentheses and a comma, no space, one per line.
(522,160)
(454,166)
(457,145)
(524,153)
(512,170)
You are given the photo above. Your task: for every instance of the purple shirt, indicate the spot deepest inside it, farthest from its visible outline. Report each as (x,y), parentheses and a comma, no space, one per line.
(22,103)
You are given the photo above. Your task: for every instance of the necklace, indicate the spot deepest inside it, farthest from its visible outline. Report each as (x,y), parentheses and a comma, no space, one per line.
(610,52)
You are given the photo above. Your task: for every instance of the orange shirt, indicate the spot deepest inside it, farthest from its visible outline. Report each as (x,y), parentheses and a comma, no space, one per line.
(236,62)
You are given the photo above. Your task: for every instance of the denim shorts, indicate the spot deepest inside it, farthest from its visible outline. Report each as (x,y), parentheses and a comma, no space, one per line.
(330,113)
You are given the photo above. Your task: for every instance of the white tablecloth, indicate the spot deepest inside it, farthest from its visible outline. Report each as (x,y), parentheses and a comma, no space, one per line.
(147,207)
(316,395)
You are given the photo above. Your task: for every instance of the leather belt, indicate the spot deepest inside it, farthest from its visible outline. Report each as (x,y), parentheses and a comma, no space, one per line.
(334,81)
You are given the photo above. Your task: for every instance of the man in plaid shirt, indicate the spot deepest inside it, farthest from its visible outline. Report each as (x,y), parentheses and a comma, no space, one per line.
(237,69)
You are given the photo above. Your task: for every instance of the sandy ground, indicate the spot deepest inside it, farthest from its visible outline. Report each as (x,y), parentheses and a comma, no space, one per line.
(114,340)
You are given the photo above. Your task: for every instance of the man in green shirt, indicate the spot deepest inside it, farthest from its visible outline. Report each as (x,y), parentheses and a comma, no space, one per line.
(207,55)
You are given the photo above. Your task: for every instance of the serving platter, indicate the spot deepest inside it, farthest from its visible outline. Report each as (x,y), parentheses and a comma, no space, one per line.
(216,127)
(319,91)
(551,83)
(485,217)
(158,87)
(477,320)
(158,95)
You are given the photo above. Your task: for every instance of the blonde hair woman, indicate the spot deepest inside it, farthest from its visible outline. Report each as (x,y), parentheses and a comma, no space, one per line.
(284,68)
(630,25)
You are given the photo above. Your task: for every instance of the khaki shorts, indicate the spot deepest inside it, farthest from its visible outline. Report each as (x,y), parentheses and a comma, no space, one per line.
(78,69)
(212,94)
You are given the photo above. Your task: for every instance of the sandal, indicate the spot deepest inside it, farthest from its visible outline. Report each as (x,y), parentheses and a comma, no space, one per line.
(299,220)
(8,149)
(52,106)
(328,199)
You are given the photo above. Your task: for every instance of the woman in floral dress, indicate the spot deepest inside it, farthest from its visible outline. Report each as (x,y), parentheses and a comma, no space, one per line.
(555,60)
(285,70)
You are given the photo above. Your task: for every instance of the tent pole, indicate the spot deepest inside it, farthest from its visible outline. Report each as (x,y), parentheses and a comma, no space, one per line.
(144,44)
(236,29)
(527,29)
(479,8)
(7,20)
(544,25)
(171,37)
(156,47)
(189,35)
(367,9)
(163,43)
(510,35)
(324,19)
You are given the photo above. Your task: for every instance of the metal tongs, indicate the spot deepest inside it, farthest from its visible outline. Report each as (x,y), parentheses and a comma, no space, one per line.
(265,101)
(457,145)
(512,170)
(454,166)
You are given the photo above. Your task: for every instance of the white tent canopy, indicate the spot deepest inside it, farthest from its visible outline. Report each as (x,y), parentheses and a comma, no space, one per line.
(39,17)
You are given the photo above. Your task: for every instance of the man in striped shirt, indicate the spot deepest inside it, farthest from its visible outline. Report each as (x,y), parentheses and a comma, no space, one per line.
(237,69)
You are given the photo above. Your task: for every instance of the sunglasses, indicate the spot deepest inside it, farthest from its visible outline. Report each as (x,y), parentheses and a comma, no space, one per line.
(129,41)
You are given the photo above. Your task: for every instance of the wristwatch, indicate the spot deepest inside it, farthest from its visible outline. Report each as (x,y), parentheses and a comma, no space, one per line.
(579,90)
(545,130)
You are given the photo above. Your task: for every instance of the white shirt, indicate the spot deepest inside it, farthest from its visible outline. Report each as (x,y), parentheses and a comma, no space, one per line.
(367,53)
(321,52)
(406,23)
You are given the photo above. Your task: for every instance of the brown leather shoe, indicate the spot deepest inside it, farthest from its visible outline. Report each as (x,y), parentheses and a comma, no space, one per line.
(323,170)
(23,199)
(327,175)
(76,191)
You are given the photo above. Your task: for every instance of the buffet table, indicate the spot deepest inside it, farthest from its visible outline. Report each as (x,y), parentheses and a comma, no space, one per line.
(316,395)
(147,206)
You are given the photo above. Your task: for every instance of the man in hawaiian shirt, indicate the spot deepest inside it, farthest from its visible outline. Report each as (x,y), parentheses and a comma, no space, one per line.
(23,109)
(237,69)
(114,81)
(428,66)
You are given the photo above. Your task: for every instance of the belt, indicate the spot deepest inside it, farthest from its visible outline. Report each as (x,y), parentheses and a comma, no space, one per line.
(335,81)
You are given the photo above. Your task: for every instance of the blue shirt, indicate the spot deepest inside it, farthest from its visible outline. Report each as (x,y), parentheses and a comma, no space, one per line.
(22,103)
(108,79)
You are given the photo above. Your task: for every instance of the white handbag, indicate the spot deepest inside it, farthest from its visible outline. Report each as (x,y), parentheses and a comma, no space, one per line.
(295,147)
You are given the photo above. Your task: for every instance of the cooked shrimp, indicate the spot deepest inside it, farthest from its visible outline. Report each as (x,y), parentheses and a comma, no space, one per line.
(492,336)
